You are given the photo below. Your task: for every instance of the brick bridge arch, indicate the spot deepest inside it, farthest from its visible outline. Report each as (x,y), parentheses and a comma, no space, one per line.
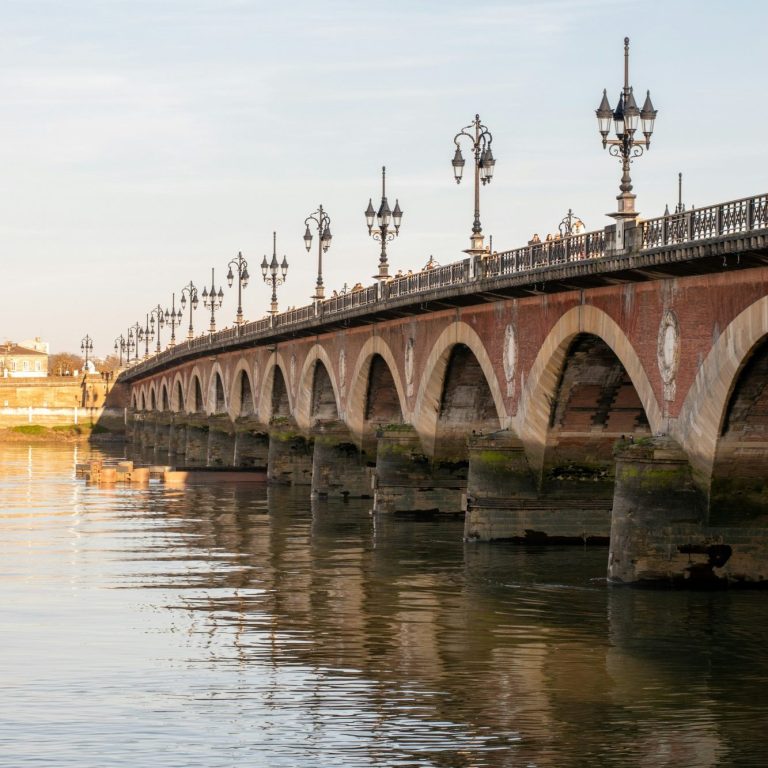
(302,411)
(531,422)
(705,406)
(356,402)
(426,411)
(275,361)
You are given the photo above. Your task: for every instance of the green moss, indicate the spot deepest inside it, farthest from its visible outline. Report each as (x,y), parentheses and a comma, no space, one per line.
(30,429)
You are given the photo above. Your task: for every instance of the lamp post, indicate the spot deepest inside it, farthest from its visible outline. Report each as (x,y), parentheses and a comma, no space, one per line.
(627,118)
(383,233)
(86,345)
(242,282)
(156,315)
(191,292)
(323,223)
(148,334)
(481,139)
(173,318)
(212,300)
(570,225)
(120,347)
(270,273)
(135,334)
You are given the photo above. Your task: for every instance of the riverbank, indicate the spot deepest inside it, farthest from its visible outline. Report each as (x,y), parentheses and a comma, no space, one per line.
(61,433)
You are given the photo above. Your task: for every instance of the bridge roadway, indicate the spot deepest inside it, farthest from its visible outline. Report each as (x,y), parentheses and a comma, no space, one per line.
(605,385)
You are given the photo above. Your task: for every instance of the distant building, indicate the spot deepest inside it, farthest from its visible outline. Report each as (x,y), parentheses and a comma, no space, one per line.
(21,361)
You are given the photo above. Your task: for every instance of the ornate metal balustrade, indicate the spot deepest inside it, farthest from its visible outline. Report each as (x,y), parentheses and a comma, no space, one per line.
(724,219)
(738,216)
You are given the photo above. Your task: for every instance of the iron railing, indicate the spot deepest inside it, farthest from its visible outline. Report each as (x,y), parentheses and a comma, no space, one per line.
(743,216)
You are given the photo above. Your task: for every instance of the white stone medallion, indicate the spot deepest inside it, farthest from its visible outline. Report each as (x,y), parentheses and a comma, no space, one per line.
(343,373)
(510,359)
(668,352)
(409,366)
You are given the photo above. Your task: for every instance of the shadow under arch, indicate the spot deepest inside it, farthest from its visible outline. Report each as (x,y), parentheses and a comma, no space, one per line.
(195,399)
(216,399)
(532,421)
(177,394)
(242,392)
(429,398)
(276,364)
(307,395)
(359,391)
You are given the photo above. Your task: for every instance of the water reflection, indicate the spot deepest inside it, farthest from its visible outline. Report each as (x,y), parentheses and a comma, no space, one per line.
(216,623)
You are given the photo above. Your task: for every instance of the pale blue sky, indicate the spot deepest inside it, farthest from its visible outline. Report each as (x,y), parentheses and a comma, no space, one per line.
(143,142)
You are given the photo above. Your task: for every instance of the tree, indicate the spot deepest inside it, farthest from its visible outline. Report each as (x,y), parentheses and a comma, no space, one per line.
(64,364)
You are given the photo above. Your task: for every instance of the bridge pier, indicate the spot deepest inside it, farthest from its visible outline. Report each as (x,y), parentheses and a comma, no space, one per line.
(177,437)
(251,445)
(657,531)
(196,445)
(338,465)
(147,427)
(407,480)
(290,455)
(221,442)
(505,500)
(163,434)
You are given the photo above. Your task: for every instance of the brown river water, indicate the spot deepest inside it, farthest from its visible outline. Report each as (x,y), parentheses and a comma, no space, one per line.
(240,625)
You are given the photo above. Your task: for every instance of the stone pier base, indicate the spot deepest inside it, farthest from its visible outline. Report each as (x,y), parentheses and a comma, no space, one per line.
(290,456)
(221,443)
(407,480)
(338,465)
(177,441)
(658,516)
(504,500)
(251,446)
(196,448)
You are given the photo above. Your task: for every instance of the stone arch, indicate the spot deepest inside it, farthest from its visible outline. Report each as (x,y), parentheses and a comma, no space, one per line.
(152,397)
(739,484)
(466,405)
(539,392)
(142,399)
(217,398)
(594,405)
(429,398)
(308,381)
(134,400)
(275,395)
(704,411)
(165,401)
(357,400)
(177,394)
(195,398)
(241,395)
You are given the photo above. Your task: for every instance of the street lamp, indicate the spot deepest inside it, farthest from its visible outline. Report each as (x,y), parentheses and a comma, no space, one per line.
(570,225)
(156,314)
(270,273)
(242,281)
(627,118)
(212,300)
(86,345)
(383,233)
(191,292)
(484,165)
(135,335)
(173,318)
(120,347)
(323,223)
(147,334)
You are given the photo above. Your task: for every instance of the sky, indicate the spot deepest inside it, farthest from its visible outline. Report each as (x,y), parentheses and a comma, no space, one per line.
(144,142)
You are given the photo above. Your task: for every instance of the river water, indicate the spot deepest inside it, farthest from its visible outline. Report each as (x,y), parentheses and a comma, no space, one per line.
(223,625)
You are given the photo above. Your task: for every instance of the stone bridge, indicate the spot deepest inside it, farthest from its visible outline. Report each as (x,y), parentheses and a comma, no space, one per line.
(610,384)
